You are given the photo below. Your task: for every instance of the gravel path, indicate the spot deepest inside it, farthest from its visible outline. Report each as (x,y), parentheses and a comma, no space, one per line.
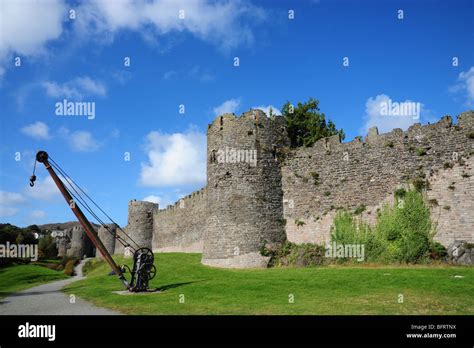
(48,299)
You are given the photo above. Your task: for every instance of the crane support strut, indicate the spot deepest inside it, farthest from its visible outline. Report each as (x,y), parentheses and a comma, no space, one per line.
(143,269)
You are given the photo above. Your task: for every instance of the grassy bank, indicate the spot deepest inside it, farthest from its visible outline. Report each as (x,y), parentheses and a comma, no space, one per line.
(21,277)
(191,288)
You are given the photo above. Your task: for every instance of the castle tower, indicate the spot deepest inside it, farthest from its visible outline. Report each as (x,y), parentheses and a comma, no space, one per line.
(62,238)
(80,243)
(140,223)
(244,189)
(62,247)
(107,236)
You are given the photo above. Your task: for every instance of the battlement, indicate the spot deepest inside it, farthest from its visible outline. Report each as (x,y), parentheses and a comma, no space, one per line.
(186,201)
(253,116)
(415,133)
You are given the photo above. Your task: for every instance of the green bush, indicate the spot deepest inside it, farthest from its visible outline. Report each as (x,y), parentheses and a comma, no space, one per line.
(299,223)
(400,193)
(345,229)
(348,230)
(415,229)
(421,151)
(420,184)
(315,177)
(438,251)
(69,267)
(47,247)
(291,254)
(360,209)
(402,233)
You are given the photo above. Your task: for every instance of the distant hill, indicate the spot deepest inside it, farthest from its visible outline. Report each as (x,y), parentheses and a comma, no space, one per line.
(62,225)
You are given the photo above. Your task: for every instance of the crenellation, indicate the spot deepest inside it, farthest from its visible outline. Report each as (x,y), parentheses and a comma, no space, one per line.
(333,142)
(372,136)
(320,146)
(353,144)
(392,138)
(466,119)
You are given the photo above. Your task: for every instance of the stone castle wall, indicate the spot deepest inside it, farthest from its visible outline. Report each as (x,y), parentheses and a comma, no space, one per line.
(330,175)
(80,244)
(107,236)
(243,206)
(180,227)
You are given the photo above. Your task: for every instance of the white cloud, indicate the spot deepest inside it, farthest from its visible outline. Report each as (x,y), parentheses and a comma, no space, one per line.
(228,107)
(200,74)
(37,130)
(37,214)
(44,190)
(174,159)
(7,211)
(465,85)
(266,109)
(163,200)
(152,199)
(220,23)
(8,202)
(195,73)
(375,117)
(11,198)
(27,26)
(81,141)
(169,74)
(77,88)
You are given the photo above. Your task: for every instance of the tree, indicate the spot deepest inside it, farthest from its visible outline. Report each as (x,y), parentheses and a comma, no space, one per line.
(47,247)
(306,124)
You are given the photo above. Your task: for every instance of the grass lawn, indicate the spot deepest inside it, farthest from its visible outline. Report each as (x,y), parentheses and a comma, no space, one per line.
(321,290)
(21,277)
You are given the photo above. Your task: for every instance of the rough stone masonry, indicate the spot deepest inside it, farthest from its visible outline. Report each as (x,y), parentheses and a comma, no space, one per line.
(294,194)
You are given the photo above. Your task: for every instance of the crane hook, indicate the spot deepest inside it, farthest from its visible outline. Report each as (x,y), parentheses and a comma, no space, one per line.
(32,180)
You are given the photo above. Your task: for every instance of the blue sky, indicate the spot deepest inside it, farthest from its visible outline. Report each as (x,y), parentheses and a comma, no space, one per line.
(182,53)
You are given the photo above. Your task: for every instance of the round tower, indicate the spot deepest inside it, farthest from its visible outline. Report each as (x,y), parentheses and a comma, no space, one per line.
(62,244)
(140,223)
(245,197)
(80,243)
(107,236)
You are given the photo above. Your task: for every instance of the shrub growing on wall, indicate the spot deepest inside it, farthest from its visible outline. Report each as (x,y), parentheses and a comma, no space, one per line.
(402,233)
(413,228)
